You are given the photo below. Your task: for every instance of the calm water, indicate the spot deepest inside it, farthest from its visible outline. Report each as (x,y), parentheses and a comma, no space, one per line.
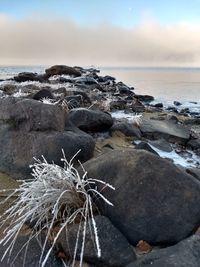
(182,84)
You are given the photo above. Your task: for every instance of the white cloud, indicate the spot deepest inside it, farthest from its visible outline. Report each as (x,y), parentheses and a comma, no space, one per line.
(52,41)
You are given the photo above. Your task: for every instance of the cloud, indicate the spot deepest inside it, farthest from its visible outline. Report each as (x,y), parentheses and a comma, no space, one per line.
(52,41)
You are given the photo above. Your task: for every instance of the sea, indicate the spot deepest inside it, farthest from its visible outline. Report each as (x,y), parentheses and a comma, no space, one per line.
(165,84)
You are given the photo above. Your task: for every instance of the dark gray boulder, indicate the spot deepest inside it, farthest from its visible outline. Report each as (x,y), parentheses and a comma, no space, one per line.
(194,144)
(127,129)
(29,258)
(43,93)
(145,98)
(17,148)
(115,249)
(154,200)
(30,76)
(166,129)
(31,115)
(62,69)
(90,120)
(184,254)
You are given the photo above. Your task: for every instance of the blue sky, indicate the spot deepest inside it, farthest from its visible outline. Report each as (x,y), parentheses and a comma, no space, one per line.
(100,32)
(125,13)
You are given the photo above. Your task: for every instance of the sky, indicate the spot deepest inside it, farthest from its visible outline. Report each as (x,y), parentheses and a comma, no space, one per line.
(100,33)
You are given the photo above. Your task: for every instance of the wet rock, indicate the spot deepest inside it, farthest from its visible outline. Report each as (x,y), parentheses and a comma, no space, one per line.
(90,120)
(148,193)
(127,129)
(184,254)
(31,115)
(166,129)
(158,105)
(17,148)
(177,103)
(31,256)
(115,249)
(173,109)
(62,69)
(145,146)
(161,144)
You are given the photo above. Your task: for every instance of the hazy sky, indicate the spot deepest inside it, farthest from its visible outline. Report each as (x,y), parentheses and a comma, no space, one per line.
(106,32)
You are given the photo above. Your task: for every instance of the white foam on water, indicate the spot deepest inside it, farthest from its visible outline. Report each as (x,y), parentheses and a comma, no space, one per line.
(193,161)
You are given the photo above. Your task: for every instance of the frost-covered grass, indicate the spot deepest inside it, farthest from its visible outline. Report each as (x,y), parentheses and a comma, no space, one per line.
(55,196)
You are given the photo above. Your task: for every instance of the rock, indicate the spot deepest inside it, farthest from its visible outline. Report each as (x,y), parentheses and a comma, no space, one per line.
(106,78)
(124,90)
(177,103)
(173,109)
(185,110)
(115,249)
(184,254)
(29,76)
(127,129)
(74,101)
(137,106)
(166,129)
(85,80)
(9,89)
(194,172)
(144,98)
(161,144)
(194,144)
(31,256)
(90,120)
(158,105)
(17,148)
(117,105)
(148,193)
(43,93)
(62,69)
(31,115)
(145,146)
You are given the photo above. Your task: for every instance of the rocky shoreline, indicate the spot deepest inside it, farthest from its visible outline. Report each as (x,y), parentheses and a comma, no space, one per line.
(123,138)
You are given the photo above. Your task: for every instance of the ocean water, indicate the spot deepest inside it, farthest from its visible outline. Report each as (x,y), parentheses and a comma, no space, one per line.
(165,84)
(181,84)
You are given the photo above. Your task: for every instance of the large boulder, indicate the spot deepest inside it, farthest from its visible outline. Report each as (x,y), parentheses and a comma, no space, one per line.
(154,200)
(17,148)
(90,120)
(166,129)
(115,249)
(62,69)
(184,254)
(31,115)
